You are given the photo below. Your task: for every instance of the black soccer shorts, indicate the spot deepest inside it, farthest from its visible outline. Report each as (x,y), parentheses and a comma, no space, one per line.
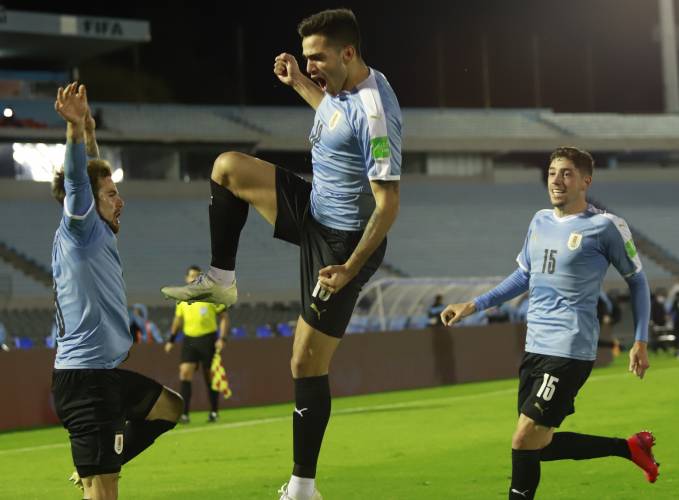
(548,386)
(320,246)
(93,406)
(199,349)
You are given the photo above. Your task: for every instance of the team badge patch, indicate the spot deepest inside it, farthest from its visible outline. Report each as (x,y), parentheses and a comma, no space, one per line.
(334,120)
(118,443)
(574,241)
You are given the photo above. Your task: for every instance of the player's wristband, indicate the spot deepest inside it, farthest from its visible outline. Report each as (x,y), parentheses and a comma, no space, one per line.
(172,338)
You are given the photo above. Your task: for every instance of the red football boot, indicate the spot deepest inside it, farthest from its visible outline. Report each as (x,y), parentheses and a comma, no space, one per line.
(640,445)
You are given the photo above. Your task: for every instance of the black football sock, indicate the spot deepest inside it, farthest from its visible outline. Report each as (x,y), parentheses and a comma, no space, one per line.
(212,395)
(140,434)
(186,395)
(227,218)
(312,412)
(570,445)
(525,474)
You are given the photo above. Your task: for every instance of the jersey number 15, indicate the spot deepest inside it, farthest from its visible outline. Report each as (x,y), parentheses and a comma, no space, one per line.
(549,261)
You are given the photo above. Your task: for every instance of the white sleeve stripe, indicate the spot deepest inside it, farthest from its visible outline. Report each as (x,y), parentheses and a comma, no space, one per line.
(384,178)
(77,217)
(518,261)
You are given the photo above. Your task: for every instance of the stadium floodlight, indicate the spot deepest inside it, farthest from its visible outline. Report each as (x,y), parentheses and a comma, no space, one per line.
(117,175)
(38,161)
(8,112)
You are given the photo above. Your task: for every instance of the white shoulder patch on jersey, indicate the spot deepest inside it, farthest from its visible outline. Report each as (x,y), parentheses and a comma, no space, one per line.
(626,236)
(377,128)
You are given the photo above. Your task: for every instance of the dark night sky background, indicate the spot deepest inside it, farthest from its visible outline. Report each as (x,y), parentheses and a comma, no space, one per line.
(431,52)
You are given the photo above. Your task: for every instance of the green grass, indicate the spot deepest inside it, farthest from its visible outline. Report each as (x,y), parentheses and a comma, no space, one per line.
(444,443)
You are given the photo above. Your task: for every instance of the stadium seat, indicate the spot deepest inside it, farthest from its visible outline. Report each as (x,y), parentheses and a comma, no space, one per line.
(50,342)
(264,331)
(238,332)
(23,343)
(284,329)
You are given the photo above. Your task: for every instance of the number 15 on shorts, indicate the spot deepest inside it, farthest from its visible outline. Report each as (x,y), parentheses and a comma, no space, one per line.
(547,388)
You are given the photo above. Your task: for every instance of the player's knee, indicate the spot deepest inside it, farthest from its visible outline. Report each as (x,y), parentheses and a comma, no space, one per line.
(528,437)
(176,405)
(225,167)
(301,365)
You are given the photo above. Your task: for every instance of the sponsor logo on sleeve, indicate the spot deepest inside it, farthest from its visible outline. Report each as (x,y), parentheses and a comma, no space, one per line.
(379,147)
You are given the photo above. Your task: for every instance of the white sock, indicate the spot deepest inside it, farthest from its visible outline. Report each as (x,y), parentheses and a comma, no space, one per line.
(221,276)
(301,488)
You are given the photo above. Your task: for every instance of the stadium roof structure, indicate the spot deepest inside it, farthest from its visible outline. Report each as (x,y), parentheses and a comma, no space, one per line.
(65,39)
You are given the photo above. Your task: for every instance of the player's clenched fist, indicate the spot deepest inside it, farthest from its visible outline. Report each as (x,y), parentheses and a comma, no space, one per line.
(285,67)
(455,312)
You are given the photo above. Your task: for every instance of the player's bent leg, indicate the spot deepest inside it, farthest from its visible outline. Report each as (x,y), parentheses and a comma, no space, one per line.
(237,181)
(249,179)
(168,406)
(527,442)
(163,416)
(574,446)
(312,353)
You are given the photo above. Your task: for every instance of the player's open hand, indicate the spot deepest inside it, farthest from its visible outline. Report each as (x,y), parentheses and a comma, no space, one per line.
(168,346)
(71,103)
(455,312)
(638,359)
(334,278)
(285,67)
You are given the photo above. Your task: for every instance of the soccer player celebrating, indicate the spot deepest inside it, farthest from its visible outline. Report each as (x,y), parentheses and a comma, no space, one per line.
(339,221)
(111,415)
(198,320)
(563,263)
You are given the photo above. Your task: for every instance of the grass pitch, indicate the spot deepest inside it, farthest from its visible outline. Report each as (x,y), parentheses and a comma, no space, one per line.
(444,443)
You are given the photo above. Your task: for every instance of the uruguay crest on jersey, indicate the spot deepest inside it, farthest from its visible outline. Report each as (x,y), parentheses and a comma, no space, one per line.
(574,241)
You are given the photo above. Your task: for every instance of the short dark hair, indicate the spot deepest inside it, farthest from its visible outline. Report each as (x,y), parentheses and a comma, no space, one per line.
(96,169)
(194,268)
(338,25)
(582,160)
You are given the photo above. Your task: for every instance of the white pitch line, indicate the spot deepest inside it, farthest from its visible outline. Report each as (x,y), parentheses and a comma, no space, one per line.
(339,411)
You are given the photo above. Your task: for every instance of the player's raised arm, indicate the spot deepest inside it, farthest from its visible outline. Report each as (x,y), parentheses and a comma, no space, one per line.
(287,70)
(90,135)
(71,105)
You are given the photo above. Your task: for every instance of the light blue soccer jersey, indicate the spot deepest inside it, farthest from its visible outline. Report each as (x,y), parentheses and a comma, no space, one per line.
(356,138)
(567,259)
(92,317)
